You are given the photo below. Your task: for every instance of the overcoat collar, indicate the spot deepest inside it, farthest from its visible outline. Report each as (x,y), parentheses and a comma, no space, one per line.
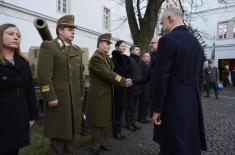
(19,63)
(72,48)
(106,57)
(181,27)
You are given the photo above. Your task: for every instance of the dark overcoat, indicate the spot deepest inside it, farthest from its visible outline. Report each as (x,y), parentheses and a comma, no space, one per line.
(135,74)
(176,77)
(121,66)
(17,104)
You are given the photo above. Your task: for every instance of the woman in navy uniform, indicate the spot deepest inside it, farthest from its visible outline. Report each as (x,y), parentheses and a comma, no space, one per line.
(18,108)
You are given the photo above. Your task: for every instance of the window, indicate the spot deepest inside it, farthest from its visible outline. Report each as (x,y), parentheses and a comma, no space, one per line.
(234,31)
(63,6)
(226,1)
(223,30)
(107,19)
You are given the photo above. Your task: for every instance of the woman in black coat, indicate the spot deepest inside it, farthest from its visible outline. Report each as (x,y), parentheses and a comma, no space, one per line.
(121,63)
(18,108)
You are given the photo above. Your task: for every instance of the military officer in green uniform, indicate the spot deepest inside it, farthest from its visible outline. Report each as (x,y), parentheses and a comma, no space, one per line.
(100,92)
(60,79)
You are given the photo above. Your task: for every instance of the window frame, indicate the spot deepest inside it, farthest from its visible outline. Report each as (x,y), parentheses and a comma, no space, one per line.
(63,8)
(106,18)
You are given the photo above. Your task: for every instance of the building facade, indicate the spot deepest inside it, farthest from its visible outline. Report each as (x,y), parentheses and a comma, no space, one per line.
(216,20)
(92,17)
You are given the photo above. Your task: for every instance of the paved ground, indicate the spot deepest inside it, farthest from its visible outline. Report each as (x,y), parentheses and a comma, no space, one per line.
(219,115)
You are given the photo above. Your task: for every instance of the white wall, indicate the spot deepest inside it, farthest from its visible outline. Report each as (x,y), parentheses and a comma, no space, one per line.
(207,21)
(88,16)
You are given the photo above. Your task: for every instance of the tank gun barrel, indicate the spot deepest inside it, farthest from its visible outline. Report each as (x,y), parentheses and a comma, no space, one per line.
(42,27)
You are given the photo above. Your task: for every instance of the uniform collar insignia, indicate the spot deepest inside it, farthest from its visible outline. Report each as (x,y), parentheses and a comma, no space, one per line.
(61,44)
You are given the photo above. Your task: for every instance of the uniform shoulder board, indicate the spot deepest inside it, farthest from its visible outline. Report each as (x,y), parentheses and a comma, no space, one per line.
(76,46)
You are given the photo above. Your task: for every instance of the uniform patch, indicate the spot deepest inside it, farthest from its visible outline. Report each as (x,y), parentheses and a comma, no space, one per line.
(118,78)
(45,88)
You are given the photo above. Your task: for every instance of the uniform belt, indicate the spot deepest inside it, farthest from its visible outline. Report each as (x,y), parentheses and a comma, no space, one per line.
(12,92)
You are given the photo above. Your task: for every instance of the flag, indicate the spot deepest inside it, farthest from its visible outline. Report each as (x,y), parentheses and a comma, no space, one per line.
(213,52)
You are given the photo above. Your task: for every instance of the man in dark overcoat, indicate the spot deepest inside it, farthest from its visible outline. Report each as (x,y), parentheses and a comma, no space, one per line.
(176,101)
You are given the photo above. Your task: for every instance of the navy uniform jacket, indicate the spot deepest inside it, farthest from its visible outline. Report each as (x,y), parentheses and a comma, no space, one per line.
(176,76)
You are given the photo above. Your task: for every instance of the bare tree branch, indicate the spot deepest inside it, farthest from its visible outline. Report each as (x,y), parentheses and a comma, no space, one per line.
(139,12)
(124,21)
(132,19)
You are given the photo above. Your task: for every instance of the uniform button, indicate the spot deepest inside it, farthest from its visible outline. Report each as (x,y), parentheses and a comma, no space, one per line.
(77,57)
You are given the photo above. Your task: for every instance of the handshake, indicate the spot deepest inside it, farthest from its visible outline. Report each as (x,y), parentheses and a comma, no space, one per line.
(128,83)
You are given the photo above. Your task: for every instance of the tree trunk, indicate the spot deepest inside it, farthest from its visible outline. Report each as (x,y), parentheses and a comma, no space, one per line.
(143,30)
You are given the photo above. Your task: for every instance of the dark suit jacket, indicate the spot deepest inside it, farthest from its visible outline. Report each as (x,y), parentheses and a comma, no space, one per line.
(175,82)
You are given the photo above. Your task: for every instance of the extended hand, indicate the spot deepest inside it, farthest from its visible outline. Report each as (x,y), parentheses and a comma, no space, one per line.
(53,103)
(128,83)
(157,118)
(31,122)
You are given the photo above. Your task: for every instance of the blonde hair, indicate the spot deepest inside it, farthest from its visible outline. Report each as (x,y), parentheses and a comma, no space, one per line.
(3,27)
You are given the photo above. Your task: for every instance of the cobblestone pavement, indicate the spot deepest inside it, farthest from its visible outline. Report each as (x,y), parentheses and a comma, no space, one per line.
(219,118)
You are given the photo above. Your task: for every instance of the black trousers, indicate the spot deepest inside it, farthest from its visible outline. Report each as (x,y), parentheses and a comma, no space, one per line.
(61,146)
(131,110)
(144,107)
(210,85)
(98,136)
(15,152)
(117,123)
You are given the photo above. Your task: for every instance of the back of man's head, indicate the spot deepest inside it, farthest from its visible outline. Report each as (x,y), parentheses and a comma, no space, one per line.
(175,12)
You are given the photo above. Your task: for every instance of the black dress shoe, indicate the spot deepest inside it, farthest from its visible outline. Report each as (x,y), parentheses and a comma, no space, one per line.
(106,147)
(123,136)
(136,126)
(131,128)
(117,136)
(95,151)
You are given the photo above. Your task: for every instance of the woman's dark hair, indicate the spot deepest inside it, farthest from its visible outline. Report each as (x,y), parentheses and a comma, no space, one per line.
(3,27)
(119,42)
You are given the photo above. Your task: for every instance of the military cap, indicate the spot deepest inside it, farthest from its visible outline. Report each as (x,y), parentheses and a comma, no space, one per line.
(67,20)
(105,37)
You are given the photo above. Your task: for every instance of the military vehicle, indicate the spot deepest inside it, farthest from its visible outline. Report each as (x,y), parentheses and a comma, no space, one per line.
(43,30)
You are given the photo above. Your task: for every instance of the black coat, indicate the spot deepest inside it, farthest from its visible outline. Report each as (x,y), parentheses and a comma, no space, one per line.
(17,104)
(175,84)
(138,74)
(121,66)
(145,87)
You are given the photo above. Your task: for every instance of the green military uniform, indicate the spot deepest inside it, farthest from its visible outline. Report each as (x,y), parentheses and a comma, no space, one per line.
(60,77)
(100,91)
